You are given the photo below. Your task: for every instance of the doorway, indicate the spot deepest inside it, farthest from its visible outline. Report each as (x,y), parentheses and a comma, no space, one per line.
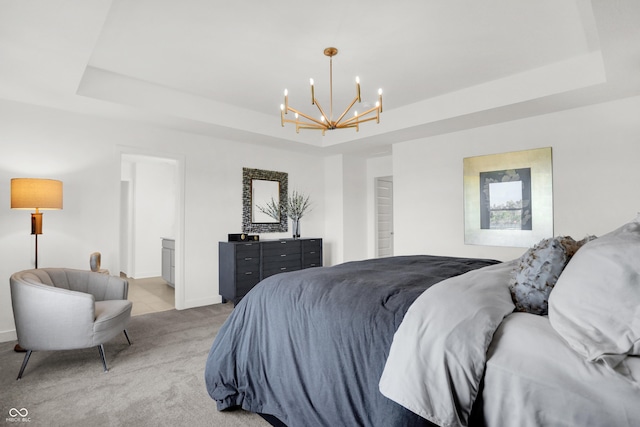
(149,194)
(384,216)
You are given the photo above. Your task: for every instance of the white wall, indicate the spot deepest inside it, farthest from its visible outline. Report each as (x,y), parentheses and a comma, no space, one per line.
(354,236)
(377,167)
(346,209)
(595,153)
(85,153)
(333,250)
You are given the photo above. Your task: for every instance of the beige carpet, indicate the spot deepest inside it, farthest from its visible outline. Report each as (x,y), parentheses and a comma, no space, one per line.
(158,381)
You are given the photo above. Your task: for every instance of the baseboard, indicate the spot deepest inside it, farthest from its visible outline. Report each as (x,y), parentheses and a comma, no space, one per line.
(6,336)
(202,302)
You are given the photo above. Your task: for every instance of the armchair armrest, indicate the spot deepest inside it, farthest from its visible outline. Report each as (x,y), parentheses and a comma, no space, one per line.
(50,318)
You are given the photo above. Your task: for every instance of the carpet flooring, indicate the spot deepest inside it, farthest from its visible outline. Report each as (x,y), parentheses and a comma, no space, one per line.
(157,381)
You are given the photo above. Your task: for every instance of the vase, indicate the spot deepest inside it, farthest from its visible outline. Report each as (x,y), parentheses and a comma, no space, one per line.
(94,261)
(295,228)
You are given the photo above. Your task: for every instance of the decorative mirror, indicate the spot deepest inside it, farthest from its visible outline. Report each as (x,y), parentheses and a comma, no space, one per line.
(258,188)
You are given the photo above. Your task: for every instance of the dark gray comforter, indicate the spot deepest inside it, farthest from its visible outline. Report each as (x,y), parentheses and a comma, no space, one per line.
(308,347)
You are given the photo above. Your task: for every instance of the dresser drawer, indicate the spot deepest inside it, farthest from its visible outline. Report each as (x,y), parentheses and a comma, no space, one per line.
(245,283)
(282,247)
(247,250)
(278,259)
(281,267)
(247,263)
(248,271)
(312,245)
(312,251)
(312,260)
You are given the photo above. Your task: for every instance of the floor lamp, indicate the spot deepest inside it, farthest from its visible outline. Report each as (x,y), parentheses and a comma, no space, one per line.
(36,193)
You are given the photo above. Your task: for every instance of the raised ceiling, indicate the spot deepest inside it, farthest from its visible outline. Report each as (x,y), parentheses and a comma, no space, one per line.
(220,68)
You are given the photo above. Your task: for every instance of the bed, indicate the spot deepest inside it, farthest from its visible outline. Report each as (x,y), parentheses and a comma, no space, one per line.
(426,340)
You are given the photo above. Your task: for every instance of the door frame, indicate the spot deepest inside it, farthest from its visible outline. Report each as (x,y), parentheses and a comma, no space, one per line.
(125,151)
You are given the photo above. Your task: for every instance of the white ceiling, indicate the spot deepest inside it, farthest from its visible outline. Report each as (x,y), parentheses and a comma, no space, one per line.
(219,68)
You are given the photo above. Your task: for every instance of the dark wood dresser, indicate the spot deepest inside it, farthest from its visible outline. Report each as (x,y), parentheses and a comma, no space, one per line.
(244,264)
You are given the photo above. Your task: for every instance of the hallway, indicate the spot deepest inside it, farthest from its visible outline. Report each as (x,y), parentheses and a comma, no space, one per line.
(150,295)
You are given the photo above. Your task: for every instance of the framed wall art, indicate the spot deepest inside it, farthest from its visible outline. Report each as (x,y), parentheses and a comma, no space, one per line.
(508,198)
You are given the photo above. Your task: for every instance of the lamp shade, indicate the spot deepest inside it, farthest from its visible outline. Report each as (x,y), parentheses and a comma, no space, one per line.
(36,193)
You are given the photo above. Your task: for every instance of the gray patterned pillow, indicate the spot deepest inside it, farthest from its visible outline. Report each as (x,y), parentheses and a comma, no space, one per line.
(538,270)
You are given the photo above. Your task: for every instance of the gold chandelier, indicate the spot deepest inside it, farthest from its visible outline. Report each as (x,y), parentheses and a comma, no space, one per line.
(304,121)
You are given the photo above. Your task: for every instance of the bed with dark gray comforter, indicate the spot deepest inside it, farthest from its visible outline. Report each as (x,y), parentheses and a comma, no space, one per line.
(409,341)
(309,347)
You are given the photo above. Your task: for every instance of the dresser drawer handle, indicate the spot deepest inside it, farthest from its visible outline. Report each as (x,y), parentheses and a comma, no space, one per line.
(312,252)
(283,255)
(248,259)
(283,268)
(312,265)
(248,273)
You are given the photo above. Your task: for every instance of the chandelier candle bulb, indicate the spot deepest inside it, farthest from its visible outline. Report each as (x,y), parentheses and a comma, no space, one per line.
(282,114)
(380,99)
(313,95)
(286,101)
(358,87)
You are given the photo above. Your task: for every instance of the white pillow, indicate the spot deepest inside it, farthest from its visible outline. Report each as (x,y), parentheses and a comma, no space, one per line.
(595,305)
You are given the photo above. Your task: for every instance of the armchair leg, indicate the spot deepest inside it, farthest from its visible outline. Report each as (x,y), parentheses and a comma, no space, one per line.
(127,336)
(24,364)
(104,360)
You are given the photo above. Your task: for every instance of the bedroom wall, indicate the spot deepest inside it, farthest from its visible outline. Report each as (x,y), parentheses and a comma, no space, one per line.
(355,208)
(85,153)
(595,153)
(345,209)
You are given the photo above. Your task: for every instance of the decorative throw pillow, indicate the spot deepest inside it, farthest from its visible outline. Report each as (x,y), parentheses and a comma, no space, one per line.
(595,305)
(538,270)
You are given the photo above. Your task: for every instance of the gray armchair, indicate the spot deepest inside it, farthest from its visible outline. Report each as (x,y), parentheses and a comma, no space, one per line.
(66,309)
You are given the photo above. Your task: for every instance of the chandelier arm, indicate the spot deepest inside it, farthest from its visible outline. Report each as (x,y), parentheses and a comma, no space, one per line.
(350,125)
(347,109)
(300,124)
(306,116)
(297,122)
(306,125)
(354,124)
(323,115)
(357,118)
(312,127)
